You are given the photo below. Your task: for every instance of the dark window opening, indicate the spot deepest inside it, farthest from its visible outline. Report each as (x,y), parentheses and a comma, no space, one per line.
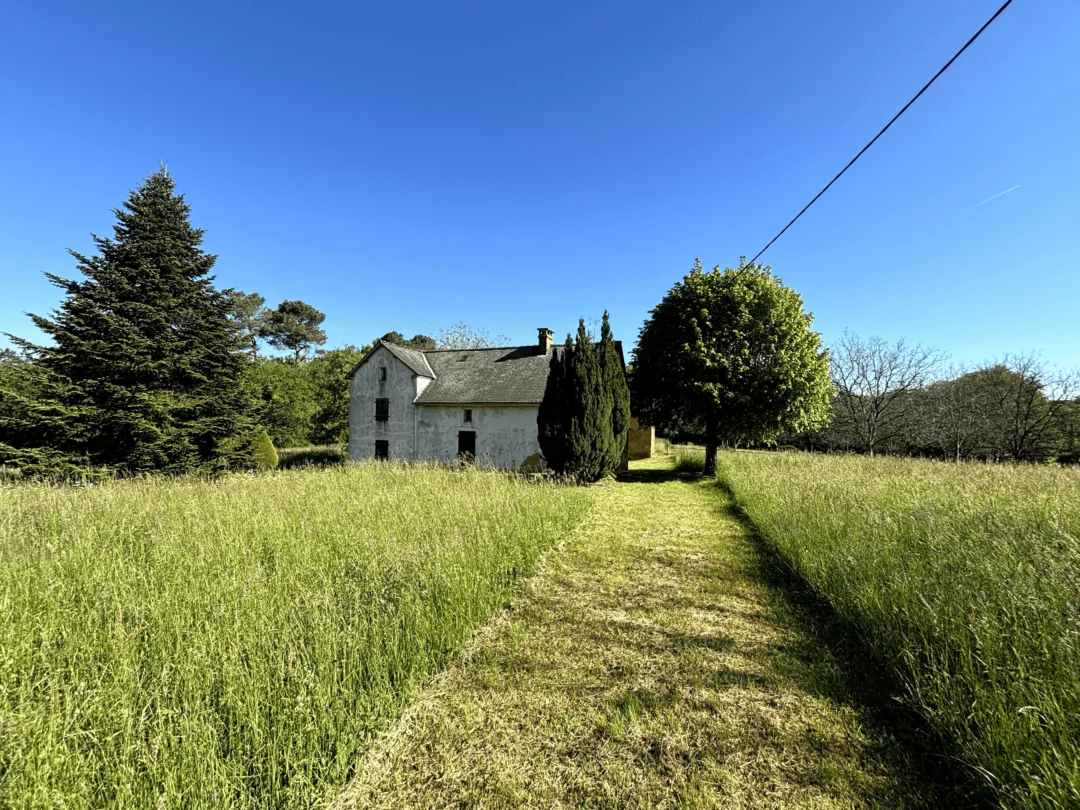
(382,410)
(382,450)
(466,444)
(467,418)
(382,373)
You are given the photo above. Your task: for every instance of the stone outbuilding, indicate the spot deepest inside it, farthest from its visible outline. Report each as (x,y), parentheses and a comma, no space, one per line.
(442,404)
(642,440)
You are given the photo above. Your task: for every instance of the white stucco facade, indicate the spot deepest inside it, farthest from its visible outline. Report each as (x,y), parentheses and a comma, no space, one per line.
(401,387)
(505,435)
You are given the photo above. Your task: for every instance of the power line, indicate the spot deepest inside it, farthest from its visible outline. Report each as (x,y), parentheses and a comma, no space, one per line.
(883,130)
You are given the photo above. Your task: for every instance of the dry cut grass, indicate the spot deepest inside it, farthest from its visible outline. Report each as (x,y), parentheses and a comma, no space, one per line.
(646,665)
(963,579)
(232,644)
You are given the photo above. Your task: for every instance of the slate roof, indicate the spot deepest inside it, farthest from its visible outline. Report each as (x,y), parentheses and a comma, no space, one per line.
(411,357)
(514,375)
(511,375)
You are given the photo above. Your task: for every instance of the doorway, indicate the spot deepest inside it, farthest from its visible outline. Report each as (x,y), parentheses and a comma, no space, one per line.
(466,444)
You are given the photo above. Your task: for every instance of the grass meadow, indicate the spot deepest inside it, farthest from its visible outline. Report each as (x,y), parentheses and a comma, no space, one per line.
(965,578)
(323,455)
(235,643)
(689,458)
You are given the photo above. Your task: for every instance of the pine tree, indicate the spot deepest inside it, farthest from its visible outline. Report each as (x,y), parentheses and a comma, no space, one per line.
(145,365)
(248,313)
(294,327)
(614,376)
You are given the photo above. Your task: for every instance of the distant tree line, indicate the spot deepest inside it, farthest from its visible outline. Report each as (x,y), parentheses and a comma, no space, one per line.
(905,400)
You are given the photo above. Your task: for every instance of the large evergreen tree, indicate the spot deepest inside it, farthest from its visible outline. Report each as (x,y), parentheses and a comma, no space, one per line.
(144,367)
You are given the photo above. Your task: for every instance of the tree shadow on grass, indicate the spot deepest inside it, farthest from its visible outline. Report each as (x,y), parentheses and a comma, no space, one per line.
(847,671)
(660,476)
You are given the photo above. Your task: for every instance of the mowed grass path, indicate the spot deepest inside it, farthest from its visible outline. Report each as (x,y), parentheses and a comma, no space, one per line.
(646,665)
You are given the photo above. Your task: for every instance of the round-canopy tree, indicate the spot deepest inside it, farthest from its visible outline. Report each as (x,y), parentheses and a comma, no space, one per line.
(729,356)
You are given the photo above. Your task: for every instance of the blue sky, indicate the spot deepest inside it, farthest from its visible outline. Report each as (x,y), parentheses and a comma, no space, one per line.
(407,165)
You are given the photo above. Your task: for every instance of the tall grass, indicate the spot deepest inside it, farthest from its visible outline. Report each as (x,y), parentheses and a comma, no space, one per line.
(689,458)
(322,455)
(965,577)
(168,644)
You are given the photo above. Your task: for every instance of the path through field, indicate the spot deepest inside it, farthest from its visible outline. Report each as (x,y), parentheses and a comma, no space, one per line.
(646,665)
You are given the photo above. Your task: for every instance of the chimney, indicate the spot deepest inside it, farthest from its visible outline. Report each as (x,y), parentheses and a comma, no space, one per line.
(546,336)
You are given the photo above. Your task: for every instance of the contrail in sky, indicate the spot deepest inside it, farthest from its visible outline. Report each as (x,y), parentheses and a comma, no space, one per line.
(999,194)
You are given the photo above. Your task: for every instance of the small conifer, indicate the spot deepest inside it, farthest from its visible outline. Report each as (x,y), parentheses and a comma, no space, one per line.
(263,453)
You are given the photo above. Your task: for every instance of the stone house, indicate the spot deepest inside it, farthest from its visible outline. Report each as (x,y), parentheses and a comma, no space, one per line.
(442,404)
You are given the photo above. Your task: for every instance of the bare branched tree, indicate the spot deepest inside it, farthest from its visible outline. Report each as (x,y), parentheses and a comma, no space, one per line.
(463,336)
(871,378)
(954,419)
(1027,399)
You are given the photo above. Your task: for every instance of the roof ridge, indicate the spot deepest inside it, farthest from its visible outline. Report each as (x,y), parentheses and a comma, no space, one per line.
(493,348)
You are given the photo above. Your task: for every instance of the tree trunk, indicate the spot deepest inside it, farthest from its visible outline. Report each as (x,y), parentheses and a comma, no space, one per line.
(710,457)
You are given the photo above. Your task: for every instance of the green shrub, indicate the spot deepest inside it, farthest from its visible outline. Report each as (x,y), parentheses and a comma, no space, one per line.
(963,578)
(263,453)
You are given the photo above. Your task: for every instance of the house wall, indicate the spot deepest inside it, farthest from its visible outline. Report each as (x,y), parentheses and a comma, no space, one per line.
(401,387)
(505,434)
(642,440)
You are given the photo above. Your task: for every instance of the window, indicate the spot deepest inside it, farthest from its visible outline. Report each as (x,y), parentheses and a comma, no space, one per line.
(467,417)
(466,444)
(382,373)
(382,410)
(382,450)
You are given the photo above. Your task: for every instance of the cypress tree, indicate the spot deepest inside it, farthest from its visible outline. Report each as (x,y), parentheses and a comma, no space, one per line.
(144,371)
(590,408)
(584,416)
(619,394)
(553,430)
